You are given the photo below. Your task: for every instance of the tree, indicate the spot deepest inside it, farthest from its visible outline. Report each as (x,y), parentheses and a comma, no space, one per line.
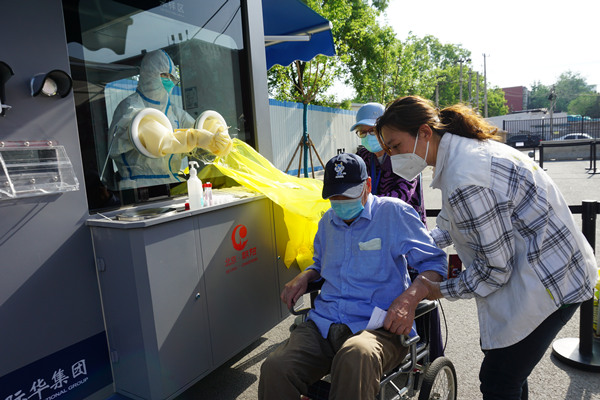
(412,67)
(371,65)
(538,96)
(568,87)
(586,104)
(375,63)
(301,81)
(307,82)
(496,102)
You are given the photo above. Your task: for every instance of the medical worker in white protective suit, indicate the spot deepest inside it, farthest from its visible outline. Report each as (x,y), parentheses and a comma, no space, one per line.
(165,146)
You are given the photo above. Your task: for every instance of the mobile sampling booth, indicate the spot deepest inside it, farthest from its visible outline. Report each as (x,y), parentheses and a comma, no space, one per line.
(107,283)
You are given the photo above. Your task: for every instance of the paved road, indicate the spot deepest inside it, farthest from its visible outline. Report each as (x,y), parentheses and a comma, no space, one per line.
(551,379)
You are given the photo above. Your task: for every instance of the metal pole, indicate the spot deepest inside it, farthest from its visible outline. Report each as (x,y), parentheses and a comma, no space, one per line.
(485,99)
(552,99)
(305,139)
(583,353)
(588,219)
(470,96)
(477,96)
(460,82)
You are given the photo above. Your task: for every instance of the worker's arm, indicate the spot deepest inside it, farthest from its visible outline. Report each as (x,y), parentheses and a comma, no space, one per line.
(160,140)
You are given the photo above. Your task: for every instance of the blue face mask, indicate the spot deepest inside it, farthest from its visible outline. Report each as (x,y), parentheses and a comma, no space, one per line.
(347,209)
(371,143)
(168,84)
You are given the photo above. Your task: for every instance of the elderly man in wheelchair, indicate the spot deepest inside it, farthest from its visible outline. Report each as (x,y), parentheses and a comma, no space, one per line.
(358,329)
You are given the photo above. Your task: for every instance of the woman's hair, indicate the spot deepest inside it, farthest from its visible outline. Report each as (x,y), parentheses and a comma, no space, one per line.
(410,112)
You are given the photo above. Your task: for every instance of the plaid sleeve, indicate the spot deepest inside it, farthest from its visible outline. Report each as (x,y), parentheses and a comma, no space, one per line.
(441,237)
(483,217)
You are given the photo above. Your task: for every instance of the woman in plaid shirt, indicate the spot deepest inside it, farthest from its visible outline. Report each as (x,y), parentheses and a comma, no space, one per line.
(527,264)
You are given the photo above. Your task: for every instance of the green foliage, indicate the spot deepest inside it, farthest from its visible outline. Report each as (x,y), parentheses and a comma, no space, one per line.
(345,105)
(302,82)
(379,66)
(390,68)
(496,102)
(538,96)
(306,82)
(569,88)
(586,104)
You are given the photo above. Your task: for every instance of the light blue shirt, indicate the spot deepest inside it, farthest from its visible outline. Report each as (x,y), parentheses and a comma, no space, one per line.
(364,264)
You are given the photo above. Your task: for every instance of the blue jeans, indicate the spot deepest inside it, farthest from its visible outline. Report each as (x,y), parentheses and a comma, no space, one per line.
(504,371)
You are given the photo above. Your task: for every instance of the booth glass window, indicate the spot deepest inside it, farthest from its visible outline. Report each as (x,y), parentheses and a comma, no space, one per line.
(181,57)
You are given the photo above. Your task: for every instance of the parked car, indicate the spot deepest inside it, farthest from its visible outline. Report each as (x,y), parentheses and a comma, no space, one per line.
(530,140)
(572,136)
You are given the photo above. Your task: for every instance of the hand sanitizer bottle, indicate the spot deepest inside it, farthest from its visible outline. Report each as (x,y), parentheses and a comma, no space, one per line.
(194,186)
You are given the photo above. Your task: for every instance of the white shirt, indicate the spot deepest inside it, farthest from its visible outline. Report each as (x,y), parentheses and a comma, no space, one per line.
(523,253)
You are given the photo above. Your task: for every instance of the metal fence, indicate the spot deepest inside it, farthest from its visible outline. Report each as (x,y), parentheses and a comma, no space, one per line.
(549,129)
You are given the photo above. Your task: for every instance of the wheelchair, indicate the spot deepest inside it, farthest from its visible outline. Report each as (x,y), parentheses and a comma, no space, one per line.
(416,374)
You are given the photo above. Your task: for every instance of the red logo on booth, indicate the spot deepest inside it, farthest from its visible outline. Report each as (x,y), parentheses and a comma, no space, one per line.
(237,237)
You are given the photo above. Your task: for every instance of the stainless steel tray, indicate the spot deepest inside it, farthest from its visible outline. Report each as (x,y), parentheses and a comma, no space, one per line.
(147,213)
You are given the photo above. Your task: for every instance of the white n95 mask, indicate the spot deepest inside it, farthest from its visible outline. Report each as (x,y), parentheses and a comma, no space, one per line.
(409,166)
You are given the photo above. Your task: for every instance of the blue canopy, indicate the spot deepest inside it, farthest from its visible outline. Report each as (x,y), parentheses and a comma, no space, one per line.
(293,31)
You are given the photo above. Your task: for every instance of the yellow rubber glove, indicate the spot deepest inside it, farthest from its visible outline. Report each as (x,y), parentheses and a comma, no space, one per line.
(222,144)
(219,142)
(160,141)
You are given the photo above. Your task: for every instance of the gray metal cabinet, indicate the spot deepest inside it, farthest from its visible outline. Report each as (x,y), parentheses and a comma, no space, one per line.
(154,305)
(182,294)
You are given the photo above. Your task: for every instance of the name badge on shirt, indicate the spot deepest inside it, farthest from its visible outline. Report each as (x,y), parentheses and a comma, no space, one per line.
(373,244)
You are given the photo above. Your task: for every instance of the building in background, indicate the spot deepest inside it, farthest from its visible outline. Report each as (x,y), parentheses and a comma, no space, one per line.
(516,98)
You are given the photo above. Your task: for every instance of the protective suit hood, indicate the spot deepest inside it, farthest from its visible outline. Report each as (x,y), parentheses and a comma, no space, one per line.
(136,169)
(150,86)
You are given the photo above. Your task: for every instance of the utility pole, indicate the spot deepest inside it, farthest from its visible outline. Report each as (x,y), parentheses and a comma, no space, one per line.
(552,98)
(460,82)
(470,97)
(477,93)
(460,79)
(437,90)
(485,99)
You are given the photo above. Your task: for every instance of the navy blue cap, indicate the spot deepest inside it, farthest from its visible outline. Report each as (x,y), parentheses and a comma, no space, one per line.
(344,176)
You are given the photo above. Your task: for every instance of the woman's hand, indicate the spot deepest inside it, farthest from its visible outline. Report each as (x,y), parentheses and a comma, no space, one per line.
(433,288)
(401,313)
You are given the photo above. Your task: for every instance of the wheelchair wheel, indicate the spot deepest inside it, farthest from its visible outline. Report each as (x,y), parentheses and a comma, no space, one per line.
(439,381)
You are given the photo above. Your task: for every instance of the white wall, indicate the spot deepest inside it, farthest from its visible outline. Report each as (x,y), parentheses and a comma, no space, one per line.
(498,121)
(328,128)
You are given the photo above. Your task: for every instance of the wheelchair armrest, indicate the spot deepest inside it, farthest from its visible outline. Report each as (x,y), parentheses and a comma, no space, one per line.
(313,289)
(424,307)
(315,286)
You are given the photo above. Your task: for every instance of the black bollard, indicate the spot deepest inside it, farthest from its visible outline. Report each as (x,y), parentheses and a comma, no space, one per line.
(583,353)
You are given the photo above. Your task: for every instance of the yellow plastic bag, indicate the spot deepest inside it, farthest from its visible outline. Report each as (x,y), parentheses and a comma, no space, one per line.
(300,198)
